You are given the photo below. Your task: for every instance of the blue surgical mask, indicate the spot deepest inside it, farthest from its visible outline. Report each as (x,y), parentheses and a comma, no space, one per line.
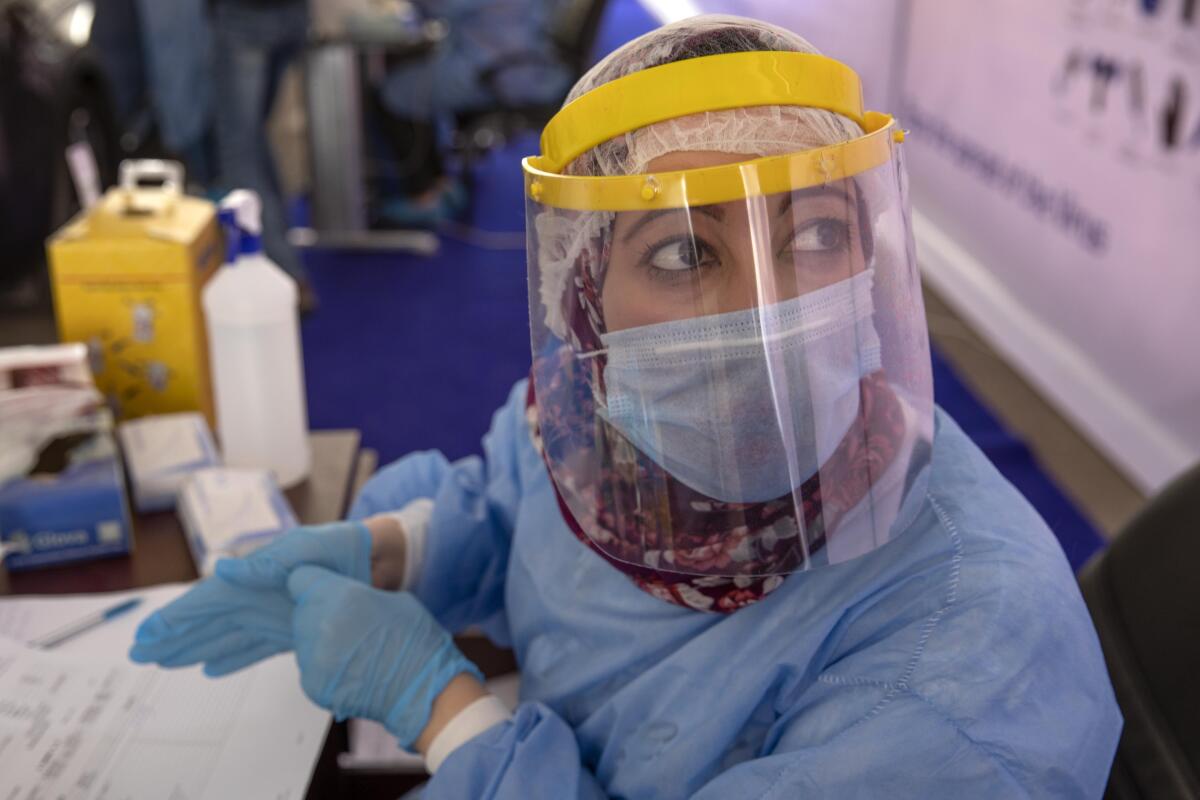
(745,406)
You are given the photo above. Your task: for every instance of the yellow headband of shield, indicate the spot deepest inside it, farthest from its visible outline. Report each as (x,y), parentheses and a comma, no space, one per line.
(710,83)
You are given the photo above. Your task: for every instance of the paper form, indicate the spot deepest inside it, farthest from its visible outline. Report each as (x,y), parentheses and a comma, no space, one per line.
(81,721)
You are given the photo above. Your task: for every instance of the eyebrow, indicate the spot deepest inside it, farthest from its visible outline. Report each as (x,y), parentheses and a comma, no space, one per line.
(716,212)
(813,191)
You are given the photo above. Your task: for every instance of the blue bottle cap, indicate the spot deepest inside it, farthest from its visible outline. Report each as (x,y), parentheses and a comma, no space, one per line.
(233,238)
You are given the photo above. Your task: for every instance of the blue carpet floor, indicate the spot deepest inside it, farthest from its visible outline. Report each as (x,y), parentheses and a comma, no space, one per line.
(419,352)
(1012,457)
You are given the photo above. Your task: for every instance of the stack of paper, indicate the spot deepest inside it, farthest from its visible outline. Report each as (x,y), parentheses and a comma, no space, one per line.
(81,721)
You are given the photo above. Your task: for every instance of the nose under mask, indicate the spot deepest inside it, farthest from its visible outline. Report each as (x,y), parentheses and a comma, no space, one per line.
(745,406)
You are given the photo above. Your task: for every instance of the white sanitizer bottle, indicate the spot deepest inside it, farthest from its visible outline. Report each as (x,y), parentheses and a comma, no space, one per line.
(250,307)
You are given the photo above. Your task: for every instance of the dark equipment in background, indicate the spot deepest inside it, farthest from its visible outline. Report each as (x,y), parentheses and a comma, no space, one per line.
(574,34)
(347,173)
(1145,600)
(52,94)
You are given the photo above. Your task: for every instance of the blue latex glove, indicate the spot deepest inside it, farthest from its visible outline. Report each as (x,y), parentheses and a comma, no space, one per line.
(223,626)
(244,614)
(343,547)
(368,653)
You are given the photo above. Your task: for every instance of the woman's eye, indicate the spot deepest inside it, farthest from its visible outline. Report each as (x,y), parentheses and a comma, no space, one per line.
(821,235)
(681,254)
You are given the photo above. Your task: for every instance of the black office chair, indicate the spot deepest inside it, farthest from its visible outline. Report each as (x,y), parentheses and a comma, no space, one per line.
(1144,596)
(573,31)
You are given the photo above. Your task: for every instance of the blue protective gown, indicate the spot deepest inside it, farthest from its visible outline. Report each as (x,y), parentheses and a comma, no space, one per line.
(956,661)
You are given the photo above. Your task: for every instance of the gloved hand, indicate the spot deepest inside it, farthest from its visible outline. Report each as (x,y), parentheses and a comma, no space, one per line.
(343,547)
(224,626)
(369,653)
(244,613)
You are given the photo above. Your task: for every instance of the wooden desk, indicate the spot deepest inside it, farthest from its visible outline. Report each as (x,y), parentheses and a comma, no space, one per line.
(161,554)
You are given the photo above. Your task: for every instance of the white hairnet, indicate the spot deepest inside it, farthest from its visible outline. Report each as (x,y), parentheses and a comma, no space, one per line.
(752,131)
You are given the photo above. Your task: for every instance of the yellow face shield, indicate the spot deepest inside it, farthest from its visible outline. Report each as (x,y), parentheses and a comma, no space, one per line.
(714,83)
(731,368)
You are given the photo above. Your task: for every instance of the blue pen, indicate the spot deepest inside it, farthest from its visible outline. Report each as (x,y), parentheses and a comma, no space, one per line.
(66,632)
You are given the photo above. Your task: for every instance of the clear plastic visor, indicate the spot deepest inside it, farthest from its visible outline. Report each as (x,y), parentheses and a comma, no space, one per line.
(732,389)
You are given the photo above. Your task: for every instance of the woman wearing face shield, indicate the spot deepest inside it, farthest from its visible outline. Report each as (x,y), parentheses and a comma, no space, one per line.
(737,550)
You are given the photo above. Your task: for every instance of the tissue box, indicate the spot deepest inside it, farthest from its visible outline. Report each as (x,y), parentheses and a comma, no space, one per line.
(228,513)
(62,492)
(161,453)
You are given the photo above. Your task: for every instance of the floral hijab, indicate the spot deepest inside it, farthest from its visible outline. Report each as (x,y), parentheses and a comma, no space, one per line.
(704,532)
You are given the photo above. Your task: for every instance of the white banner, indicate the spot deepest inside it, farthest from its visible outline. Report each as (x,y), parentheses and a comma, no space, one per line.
(1055,162)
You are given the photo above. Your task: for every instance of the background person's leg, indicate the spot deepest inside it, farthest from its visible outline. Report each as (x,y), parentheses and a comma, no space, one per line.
(176,41)
(275,232)
(116,41)
(247,72)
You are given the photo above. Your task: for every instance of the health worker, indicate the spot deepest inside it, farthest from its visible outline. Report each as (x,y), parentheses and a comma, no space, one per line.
(736,548)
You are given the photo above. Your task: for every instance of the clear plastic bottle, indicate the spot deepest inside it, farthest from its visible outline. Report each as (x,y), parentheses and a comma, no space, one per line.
(250,307)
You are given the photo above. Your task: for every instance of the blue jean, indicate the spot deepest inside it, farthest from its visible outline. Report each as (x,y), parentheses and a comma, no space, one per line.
(253,47)
(158,58)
